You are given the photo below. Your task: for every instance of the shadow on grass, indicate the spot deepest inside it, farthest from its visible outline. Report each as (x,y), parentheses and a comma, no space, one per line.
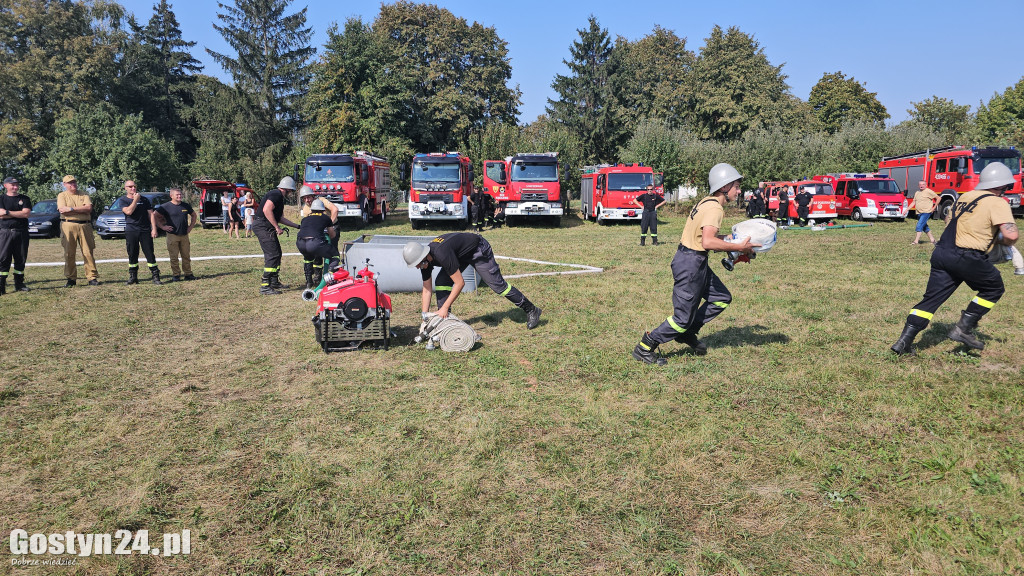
(756,335)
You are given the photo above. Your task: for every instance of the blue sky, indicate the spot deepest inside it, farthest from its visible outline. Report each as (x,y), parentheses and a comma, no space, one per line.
(904,51)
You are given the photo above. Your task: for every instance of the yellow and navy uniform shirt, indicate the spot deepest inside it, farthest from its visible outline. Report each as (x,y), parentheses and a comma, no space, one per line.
(924,201)
(976,229)
(74,201)
(708,212)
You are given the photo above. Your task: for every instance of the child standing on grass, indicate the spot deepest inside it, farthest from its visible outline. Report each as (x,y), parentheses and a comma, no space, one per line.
(694,280)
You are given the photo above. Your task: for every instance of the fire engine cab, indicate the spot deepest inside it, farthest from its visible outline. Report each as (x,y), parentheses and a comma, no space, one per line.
(525,185)
(440,186)
(951,171)
(359,184)
(607,191)
(867,196)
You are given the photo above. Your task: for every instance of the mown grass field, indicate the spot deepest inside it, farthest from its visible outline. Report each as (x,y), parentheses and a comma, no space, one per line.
(798,445)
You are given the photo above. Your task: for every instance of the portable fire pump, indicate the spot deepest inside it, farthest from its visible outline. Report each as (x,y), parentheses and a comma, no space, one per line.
(351,311)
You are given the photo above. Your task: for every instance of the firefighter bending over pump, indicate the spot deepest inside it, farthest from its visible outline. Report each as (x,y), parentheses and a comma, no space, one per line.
(316,232)
(453,253)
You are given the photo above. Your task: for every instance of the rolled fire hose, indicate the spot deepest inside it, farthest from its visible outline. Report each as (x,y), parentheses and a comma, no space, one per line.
(452,334)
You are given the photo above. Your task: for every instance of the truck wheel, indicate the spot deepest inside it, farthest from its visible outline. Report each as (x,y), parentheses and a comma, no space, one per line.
(944,209)
(601,220)
(416,224)
(383,212)
(857,215)
(364,215)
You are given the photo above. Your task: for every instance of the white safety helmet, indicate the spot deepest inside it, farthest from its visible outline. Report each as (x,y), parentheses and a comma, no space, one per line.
(414,253)
(305,191)
(286,183)
(995,175)
(721,175)
(317,204)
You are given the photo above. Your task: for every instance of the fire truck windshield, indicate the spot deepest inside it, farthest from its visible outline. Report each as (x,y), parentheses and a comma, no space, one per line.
(877,187)
(329,173)
(534,172)
(1012,162)
(630,181)
(435,172)
(818,189)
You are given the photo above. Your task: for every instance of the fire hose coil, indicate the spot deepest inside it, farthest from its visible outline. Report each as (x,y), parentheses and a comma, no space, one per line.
(451,334)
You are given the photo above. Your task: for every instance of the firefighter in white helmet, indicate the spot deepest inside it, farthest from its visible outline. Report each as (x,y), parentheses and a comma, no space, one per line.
(267,226)
(980,219)
(316,232)
(694,280)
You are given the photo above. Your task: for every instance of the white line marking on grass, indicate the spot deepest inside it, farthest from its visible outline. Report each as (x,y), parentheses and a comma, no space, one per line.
(582,268)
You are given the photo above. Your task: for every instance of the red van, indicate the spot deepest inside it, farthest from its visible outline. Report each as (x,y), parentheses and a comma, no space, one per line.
(210,193)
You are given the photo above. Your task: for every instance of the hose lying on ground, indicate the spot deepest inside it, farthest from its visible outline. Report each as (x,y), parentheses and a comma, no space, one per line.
(452,334)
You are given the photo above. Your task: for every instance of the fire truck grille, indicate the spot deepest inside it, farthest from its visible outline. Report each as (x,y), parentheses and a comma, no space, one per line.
(535,197)
(446,198)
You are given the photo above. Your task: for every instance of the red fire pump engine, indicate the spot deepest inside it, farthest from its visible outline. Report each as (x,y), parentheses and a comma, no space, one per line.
(350,311)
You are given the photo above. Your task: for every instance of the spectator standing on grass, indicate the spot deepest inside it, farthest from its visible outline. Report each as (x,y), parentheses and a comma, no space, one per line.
(248,210)
(236,217)
(924,204)
(177,218)
(225,211)
(453,253)
(694,280)
(756,208)
(139,232)
(782,217)
(650,201)
(267,226)
(14,211)
(479,211)
(980,219)
(803,205)
(76,230)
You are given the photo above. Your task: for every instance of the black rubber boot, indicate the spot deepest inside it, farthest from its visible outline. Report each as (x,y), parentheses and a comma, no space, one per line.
(643,240)
(690,339)
(646,351)
(155,271)
(267,286)
(963,332)
(654,240)
(275,282)
(3,285)
(906,339)
(307,269)
(533,317)
(133,276)
(19,283)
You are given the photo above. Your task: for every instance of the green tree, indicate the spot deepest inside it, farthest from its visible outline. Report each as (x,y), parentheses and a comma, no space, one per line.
(942,115)
(1002,119)
(653,76)
(734,87)
(586,103)
(658,145)
(271,61)
(103,148)
(458,73)
(55,55)
(157,73)
(837,99)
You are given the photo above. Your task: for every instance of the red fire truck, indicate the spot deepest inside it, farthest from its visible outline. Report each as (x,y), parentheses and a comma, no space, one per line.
(950,171)
(440,186)
(358,183)
(867,196)
(823,199)
(525,185)
(607,191)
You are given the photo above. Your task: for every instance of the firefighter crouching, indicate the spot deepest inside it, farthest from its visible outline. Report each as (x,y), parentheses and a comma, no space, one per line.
(978,218)
(453,253)
(694,280)
(316,230)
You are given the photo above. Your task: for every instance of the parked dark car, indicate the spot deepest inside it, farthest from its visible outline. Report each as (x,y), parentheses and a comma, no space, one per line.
(44,221)
(111,222)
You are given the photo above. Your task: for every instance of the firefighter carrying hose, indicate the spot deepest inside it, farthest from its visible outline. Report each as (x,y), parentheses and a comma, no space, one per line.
(453,253)
(694,280)
(316,232)
(980,219)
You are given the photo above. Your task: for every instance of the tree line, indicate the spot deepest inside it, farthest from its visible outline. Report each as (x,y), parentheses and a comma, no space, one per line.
(87,89)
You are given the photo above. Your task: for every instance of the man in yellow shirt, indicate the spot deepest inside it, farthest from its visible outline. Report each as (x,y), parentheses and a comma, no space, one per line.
(924,204)
(694,280)
(76,230)
(980,218)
